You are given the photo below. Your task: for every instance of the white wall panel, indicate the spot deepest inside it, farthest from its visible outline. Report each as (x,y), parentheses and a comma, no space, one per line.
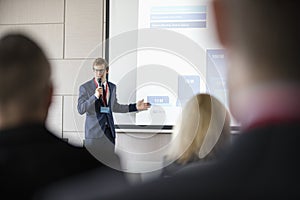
(54,120)
(49,36)
(73,121)
(142,152)
(83,28)
(68,75)
(143,143)
(31,11)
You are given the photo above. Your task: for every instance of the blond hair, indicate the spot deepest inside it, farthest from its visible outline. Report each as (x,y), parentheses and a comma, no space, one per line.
(100,61)
(202,123)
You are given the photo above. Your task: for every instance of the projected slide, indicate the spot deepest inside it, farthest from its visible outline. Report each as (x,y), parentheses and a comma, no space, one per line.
(165,52)
(178,17)
(168,77)
(216,74)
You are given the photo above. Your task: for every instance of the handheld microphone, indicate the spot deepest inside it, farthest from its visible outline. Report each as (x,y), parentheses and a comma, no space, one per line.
(99,82)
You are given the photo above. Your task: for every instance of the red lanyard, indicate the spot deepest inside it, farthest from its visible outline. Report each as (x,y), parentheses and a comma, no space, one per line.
(105,96)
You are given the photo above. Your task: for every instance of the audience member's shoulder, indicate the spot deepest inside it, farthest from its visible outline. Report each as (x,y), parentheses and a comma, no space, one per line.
(38,140)
(24,134)
(94,184)
(196,167)
(71,152)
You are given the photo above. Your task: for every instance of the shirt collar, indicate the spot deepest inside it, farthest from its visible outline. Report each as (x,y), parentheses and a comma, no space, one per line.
(95,80)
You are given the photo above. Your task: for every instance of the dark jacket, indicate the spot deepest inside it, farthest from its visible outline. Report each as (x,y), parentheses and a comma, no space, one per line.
(32,157)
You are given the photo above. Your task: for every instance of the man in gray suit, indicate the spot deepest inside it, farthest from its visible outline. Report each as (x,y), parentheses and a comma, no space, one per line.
(97,99)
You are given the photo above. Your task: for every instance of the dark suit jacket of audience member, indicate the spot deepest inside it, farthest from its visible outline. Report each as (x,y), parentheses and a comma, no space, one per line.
(32,157)
(95,184)
(217,153)
(263,162)
(174,167)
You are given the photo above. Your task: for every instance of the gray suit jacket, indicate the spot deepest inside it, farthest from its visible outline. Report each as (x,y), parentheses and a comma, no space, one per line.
(88,104)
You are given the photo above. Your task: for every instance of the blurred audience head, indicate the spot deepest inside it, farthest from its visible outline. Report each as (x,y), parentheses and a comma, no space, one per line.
(202,130)
(262,40)
(25,86)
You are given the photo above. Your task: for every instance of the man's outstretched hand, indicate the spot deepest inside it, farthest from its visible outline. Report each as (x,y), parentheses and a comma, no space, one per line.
(142,106)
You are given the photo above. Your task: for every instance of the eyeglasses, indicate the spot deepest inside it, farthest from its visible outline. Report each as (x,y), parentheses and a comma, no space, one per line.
(99,70)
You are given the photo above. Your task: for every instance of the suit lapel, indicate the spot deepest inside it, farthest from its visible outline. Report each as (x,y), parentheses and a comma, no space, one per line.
(110,87)
(92,86)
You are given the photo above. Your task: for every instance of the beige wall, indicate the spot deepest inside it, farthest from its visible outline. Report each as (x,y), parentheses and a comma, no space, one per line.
(69,31)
